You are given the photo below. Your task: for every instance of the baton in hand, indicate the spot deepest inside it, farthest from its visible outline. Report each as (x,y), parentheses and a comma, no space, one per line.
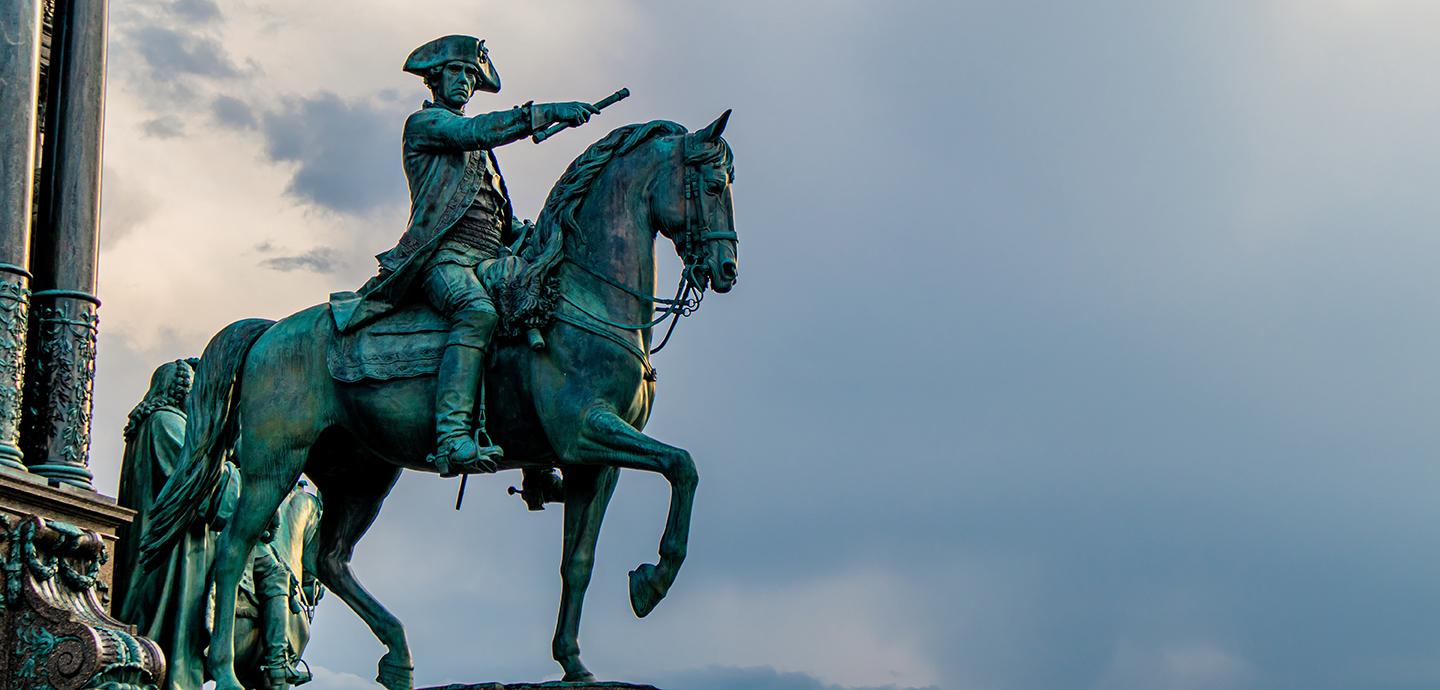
(556,128)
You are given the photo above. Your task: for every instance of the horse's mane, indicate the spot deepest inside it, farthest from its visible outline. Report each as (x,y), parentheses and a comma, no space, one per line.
(529,302)
(569,191)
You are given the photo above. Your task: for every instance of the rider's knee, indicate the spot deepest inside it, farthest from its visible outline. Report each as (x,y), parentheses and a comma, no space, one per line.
(472,327)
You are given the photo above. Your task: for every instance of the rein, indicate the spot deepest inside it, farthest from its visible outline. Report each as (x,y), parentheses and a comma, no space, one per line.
(688,294)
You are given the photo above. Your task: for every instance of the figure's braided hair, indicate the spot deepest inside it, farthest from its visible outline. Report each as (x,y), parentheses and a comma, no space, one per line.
(171,393)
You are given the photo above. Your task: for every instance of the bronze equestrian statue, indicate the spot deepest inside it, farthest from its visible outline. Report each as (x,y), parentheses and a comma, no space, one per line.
(569,383)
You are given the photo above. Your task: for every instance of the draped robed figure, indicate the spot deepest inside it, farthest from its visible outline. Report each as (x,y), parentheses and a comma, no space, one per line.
(164,603)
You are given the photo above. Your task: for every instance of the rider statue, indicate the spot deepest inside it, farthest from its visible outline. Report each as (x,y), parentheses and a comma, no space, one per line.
(460,221)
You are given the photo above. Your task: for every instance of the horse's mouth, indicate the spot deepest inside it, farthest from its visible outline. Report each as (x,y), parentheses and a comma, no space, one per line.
(724,278)
(722,285)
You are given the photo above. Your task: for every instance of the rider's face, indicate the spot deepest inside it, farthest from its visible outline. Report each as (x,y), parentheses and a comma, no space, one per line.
(456,83)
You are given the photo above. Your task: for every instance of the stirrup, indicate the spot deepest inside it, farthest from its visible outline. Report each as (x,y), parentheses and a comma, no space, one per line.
(283,674)
(484,462)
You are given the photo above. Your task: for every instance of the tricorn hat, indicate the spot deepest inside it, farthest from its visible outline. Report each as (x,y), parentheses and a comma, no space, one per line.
(442,50)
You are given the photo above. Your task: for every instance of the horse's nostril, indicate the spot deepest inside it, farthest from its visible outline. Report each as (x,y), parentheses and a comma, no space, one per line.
(728,269)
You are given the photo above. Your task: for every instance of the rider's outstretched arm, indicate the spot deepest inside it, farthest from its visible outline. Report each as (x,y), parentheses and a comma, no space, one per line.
(441,129)
(438,128)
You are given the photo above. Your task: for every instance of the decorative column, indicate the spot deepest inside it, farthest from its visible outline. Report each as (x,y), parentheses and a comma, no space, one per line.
(55,431)
(19,89)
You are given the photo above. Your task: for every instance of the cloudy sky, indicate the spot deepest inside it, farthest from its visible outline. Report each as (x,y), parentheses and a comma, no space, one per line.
(1076,346)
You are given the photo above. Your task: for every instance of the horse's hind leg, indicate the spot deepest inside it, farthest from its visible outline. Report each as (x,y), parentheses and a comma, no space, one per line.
(606,439)
(352,497)
(269,476)
(587,494)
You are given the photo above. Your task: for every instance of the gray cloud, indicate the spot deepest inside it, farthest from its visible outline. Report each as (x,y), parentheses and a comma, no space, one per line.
(171,52)
(233,112)
(198,11)
(346,151)
(318,260)
(127,203)
(167,127)
(1106,330)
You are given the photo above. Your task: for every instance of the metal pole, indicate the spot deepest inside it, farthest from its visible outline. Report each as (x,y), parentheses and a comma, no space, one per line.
(19,90)
(55,434)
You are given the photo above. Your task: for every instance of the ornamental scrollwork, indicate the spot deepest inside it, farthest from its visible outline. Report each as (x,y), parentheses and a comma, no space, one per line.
(14,320)
(59,385)
(60,638)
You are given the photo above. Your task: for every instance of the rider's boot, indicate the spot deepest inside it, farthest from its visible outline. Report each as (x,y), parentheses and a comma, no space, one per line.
(276,670)
(461,448)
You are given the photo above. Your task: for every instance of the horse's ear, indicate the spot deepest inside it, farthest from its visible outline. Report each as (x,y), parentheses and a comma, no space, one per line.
(712,131)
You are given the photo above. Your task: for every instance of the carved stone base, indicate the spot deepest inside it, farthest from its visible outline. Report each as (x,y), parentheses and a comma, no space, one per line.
(539,686)
(23,494)
(54,579)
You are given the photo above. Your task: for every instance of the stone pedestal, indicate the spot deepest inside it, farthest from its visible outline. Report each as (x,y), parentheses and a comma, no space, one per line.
(22,495)
(55,577)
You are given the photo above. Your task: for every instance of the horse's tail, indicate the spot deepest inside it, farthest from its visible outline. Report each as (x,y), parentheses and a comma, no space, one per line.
(210,431)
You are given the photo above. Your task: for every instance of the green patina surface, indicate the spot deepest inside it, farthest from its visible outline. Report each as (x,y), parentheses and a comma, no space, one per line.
(555,318)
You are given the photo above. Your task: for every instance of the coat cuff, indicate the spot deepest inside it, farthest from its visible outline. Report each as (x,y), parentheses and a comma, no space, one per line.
(531,115)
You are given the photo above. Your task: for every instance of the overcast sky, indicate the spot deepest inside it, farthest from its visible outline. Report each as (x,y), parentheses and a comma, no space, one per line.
(1076,345)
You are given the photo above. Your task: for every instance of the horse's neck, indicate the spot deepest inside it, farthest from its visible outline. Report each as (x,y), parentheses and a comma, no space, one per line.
(618,241)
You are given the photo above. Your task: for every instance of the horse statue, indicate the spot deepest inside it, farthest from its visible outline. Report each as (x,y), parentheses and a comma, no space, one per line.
(577,404)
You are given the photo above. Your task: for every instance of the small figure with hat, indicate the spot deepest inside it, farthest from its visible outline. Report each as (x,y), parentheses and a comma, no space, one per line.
(460,218)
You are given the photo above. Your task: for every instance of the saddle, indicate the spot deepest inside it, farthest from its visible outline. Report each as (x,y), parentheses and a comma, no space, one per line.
(410,340)
(404,343)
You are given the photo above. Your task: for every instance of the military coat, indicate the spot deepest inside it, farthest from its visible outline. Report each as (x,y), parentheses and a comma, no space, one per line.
(446,156)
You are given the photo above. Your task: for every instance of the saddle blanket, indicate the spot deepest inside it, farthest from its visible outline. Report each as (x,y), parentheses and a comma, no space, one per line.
(405,343)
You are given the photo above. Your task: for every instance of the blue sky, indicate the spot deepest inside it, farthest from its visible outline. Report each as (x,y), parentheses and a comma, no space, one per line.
(1077,345)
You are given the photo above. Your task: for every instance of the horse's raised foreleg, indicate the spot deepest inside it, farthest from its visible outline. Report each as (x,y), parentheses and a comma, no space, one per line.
(352,500)
(264,488)
(587,494)
(606,439)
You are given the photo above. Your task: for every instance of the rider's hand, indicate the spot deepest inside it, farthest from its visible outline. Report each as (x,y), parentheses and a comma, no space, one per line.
(573,113)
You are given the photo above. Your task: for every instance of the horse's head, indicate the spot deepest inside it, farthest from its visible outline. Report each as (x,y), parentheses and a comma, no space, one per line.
(694,209)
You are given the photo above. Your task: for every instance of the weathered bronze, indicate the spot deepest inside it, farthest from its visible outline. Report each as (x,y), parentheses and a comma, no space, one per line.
(165,604)
(55,631)
(55,429)
(346,392)
(460,216)
(19,95)
(168,604)
(54,529)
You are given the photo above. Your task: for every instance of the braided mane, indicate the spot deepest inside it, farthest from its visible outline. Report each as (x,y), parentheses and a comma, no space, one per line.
(529,301)
(565,197)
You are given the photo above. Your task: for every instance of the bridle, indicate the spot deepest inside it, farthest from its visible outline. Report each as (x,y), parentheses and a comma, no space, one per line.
(690,243)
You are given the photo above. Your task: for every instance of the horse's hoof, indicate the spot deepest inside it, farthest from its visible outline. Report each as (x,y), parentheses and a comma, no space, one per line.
(575,671)
(645,592)
(395,675)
